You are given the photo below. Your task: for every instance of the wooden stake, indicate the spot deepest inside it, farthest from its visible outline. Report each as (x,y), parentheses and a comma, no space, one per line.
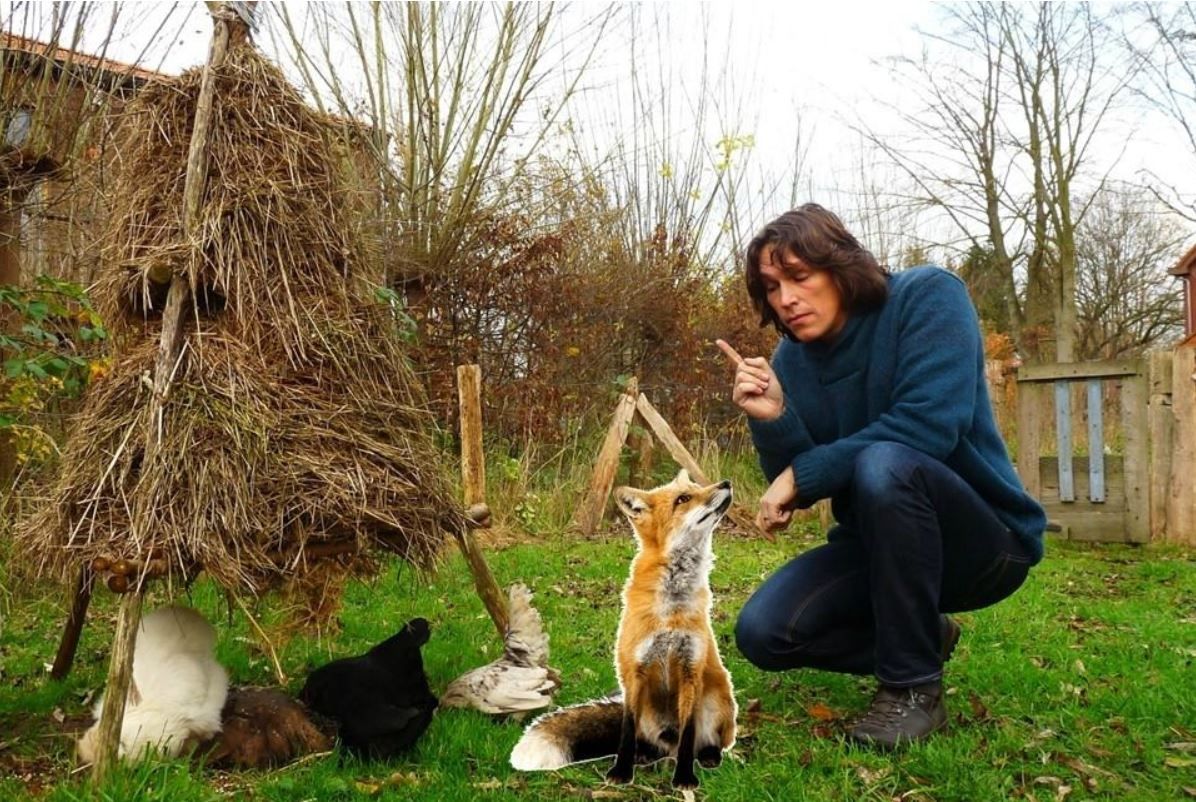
(166,365)
(116,691)
(80,600)
(473,480)
(473,466)
(589,514)
(656,422)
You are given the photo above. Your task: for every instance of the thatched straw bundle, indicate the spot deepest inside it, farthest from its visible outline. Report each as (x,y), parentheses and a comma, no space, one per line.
(293,419)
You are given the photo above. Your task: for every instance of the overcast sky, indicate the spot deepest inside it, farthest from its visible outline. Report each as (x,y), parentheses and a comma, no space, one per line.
(779,68)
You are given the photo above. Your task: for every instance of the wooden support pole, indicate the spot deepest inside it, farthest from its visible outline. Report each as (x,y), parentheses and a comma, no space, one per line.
(589,514)
(473,480)
(473,466)
(80,600)
(116,690)
(166,365)
(660,427)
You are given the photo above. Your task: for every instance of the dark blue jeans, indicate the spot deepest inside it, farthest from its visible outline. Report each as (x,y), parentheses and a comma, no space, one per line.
(918,542)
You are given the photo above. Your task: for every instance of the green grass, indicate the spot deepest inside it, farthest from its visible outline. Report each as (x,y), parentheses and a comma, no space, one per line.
(1081,686)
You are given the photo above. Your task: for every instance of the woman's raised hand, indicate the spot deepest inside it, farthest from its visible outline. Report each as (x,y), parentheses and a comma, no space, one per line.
(756,390)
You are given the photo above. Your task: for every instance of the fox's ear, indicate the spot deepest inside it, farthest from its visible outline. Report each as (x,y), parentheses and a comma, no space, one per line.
(631,502)
(682,477)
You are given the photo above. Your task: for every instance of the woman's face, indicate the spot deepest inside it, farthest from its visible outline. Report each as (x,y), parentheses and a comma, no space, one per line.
(805,299)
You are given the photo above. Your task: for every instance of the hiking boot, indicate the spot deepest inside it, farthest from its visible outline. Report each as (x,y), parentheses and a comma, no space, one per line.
(951,632)
(901,716)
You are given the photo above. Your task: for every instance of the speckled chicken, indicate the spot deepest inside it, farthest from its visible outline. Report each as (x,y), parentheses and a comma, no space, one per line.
(518,681)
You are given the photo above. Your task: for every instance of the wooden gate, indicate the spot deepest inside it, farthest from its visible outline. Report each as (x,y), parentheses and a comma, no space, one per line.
(1102,496)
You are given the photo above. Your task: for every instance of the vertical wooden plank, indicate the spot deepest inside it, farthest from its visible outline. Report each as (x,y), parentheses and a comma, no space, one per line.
(1181,498)
(473,484)
(1067,489)
(1029,436)
(1096,444)
(1159,424)
(589,514)
(116,690)
(473,466)
(1137,460)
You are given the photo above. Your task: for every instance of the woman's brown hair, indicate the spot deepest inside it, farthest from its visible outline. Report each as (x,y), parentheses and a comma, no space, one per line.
(819,238)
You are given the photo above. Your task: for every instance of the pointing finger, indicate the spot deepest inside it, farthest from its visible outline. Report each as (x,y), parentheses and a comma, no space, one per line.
(731,353)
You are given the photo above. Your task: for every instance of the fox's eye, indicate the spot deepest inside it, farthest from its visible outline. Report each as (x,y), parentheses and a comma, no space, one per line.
(681,499)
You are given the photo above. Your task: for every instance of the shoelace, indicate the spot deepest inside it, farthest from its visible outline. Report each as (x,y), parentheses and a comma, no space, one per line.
(890,707)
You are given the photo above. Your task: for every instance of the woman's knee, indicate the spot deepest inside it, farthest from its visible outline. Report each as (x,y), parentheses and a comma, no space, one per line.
(882,470)
(755,637)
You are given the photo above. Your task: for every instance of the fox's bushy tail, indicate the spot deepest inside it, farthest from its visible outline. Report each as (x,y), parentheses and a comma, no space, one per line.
(574,734)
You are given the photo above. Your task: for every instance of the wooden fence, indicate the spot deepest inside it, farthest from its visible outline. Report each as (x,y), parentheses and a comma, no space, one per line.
(1144,489)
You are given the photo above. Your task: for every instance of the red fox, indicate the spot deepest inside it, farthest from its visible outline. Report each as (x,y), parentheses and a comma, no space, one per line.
(677,699)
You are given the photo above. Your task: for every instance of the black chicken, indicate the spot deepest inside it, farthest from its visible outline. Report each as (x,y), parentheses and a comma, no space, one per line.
(381,700)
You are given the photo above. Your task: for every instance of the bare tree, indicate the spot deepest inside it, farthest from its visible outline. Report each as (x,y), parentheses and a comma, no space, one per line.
(1126,299)
(1002,142)
(1168,60)
(456,99)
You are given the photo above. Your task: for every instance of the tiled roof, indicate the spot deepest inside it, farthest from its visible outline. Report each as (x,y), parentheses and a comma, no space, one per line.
(11,42)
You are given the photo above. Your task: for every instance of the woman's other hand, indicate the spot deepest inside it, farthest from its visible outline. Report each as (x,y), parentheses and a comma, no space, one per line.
(776,505)
(756,389)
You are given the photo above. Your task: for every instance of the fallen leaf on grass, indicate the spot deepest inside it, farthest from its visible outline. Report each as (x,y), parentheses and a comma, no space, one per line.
(979,711)
(822,731)
(1190,791)
(1179,762)
(821,712)
(1181,746)
(488,785)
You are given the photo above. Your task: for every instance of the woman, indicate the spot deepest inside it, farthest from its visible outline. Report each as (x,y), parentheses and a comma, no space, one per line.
(876,399)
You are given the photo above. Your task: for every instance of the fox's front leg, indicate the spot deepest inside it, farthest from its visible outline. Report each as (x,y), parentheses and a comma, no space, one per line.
(623,770)
(683,775)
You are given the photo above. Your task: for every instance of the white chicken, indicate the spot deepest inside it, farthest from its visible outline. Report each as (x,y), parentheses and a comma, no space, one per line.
(518,681)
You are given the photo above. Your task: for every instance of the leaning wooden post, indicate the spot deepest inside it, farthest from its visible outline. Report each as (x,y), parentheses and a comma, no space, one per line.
(167,363)
(589,514)
(473,481)
(80,599)
(660,427)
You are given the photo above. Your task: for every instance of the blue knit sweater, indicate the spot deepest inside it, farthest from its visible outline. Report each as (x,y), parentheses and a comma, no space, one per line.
(911,372)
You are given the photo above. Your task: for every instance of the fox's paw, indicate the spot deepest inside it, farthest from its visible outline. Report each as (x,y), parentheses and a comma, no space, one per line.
(709,757)
(685,778)
(620,774)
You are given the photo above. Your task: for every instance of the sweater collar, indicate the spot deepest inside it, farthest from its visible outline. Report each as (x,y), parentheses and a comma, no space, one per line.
(841,341)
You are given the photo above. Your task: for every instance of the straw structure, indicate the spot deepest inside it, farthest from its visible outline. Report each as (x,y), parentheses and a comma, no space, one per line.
(294,431)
